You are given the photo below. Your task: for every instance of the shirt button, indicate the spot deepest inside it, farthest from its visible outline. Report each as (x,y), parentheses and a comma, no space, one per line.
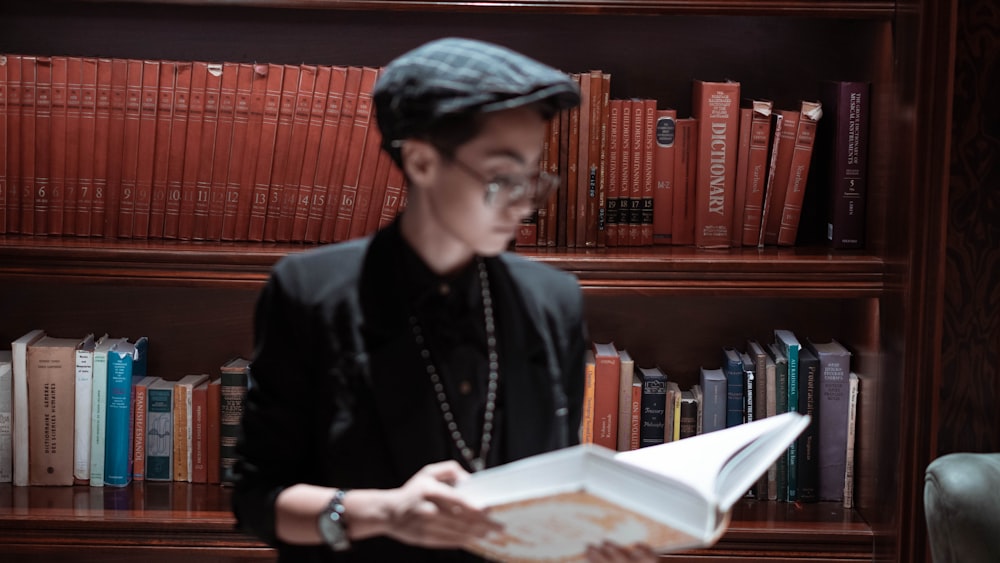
(444,289)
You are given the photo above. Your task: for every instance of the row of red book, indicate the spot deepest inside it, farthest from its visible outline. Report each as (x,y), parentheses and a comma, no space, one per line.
(86,411)
(627,406)
(235,151)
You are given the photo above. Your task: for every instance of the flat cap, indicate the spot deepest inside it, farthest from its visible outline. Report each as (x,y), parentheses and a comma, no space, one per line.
(455,75)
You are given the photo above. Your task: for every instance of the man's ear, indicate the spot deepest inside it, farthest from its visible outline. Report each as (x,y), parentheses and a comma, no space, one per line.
(420,162)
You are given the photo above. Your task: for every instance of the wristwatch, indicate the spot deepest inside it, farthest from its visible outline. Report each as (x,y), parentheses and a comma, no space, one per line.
(332,527)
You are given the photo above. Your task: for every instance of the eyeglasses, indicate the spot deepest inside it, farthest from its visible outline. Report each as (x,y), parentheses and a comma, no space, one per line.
(504,191)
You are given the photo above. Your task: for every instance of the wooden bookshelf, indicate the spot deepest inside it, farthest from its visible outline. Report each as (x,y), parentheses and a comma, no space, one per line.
(674,307)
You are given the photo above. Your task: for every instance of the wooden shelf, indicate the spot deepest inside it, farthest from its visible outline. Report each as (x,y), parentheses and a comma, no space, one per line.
(155,520)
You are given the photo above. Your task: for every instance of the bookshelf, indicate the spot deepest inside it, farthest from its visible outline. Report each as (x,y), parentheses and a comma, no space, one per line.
(671,306)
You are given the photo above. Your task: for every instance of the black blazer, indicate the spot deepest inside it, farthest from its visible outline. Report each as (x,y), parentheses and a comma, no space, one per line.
(335,399)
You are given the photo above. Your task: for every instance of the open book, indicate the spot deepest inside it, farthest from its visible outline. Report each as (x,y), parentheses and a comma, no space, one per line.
(672,496)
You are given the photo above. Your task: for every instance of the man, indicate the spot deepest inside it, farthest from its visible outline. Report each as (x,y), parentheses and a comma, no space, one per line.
(386,369)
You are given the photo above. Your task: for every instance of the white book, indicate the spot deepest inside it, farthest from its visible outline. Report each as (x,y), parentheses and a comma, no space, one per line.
(19,373)
(852,410)
(672,496)
(6,406)
(98,409)
(81,412)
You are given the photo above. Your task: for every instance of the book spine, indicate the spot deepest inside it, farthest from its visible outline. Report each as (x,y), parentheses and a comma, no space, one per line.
(98,414)
(182,120)
(211,139)
(626,369)
(213,422)
(282,143)
(685,159)
(297,149)
(366,180)
(166,105)
(590,117)
(635,415)
(648,181)
(345,130)
(636,173)
(688,416)
(135,222)
(6,410)
(4,142)
(589,391)
(266,152)
(663,175)
(378,192)
(654,403)
(356,150)
(130,150)
(238,168)
(192,150)
(716,106)
(97,200)
(65,120)
(613,184)
(327,152)
(85,151)
(199,409)
(257,154)
(808,442)
(81,415)
(29,102)
(222,153)
(393,194)
(12,151)
(740,188)
(159,433)
(182,433)
(140,414)
(847,174)
(733,369)
(852,407)
(117,469)
(757,172)
(43,136)
(234,390)
(606,376)
(834,409)
(714,400)
(51,377)
(798,173)
(781,162)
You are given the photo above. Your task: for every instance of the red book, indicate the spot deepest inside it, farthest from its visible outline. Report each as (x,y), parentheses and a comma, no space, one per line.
(540,213)
(140,410)
(636,175)
(552,206)
(178,147)
(572,191)
(602,166)
(355,152)
(716,106)
(199,433)
(345,129)
(607,373)
(592,211)
(297,149)
(663,176)
(58,150)
(562,195)
(625,174)
(3,143)
(87,147)
(327,153)
(785,130)
(282,139)
(366,179)
(648,185)
(685,164)
(165,106)
(393,195)
(106,209)
(192,150)
(211,103)
(382,170)
(312,156)
(12,151)
(213,421)
(756,170)
(613,190)
(74,135)
(252,156)
(151,134)
(740,187)
(224,139)
(798,172)
(266,150)
(37,118)
(238,166)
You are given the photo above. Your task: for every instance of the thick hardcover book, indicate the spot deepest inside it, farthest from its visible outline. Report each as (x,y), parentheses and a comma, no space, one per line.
(654,400)
(58,153)
(12,152)
(20,419)
(282,142)
(716,105)
(97,200)
(833,392)
(212,424)
(732,367)
(191,159)
(785,129)
(199,432)
(663,175)
(4,142)
(151,134)
(222,153)
(740,187)
(789,346)
(625,174)
(602,160)
(345,132)
(160,431)
(842,146)
(140,416)
(6,413)
(756,171)
(98,410)
(129,171)
(355,154)
(84,370)
(209,142)
(366,180)
(672,496)
(808,441)
(235,374)
(393,194)
(688,415)
(714,387)
(377,202)
(606,376)
(85,149)
(798,172)
(635,422)
(181,120)
(29,138)
(118,435)
(297,151)
(613,185)
(238,167)
(254,155)
(626,371)
(183,420)
(266,151)
(685,166)
(311,156)
(72,175)
(587,210)
(51,374)
(123,123)
(327,152)
(166,105)
(43,135)
(637,174)
(648,181)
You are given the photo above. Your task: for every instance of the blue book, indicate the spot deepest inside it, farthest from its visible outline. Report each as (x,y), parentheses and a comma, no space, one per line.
(654,404)
(789,345)
(732,366)
(713,408)
(160,431)
(118,433)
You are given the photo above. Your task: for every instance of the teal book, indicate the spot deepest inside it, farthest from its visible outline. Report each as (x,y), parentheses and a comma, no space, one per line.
(99,409)
(118,433)
(160,431)
(789,345)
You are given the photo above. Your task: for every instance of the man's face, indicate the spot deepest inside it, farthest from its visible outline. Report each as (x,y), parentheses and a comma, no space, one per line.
(509,146)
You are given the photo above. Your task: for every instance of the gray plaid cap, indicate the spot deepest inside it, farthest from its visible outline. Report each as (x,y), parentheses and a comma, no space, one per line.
(454,75)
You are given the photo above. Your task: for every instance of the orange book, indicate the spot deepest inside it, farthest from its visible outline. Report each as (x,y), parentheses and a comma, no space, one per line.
(199,433)
(602,166)
(781,162)
(607,373)
(756,170)
(180,121)
(345,129)
(192,151)
(613,189)
(663,176)
(210,139)
(139,405)
(589,389)
(282,139)
(591,212)
(266,152)
(393,193)
(635,428)
(213,420)
(716,106)
(552,206)
(573,165)
(296,151)
(86,150)
(35,201)
(355,153)
(805,139)
(12,152)
(152,134)
(312,155)
(165,107)
(238,227)
(327,152)
(223,107)
(59,115)
(685,162)
(648,185)
(366,177)
(238,167)
(636,176)
(378,192)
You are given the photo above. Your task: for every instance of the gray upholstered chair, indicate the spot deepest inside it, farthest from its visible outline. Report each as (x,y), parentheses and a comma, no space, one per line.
(962,506)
